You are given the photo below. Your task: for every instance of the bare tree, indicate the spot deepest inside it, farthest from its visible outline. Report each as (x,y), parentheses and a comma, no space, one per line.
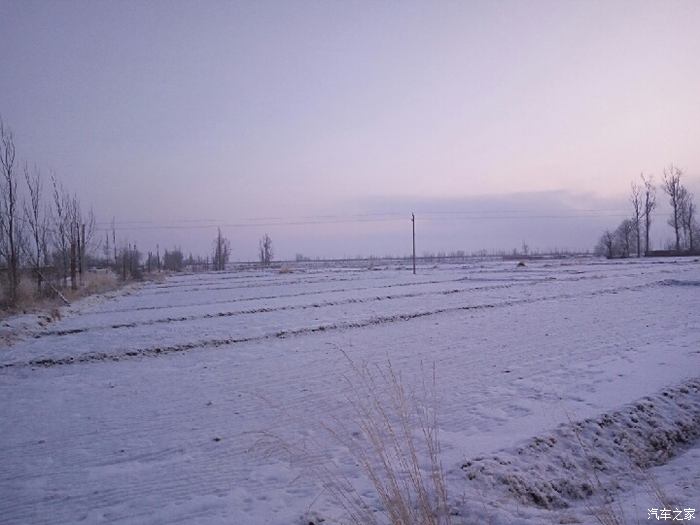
(222,251)
(624,234)
(173,260)
(106,249)
(687,213)
(692,226)
(61,223)
(606,245)
(37,220)
(11,237)
(672,186)
(265,250)
(129,262)
(74,219)
(637,205)
(81,231)
(649,206)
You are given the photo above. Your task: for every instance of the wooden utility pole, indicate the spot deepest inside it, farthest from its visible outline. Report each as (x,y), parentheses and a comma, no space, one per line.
(413,224)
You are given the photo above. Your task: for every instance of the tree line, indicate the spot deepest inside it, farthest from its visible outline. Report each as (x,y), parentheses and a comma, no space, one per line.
(48,237)
(43,228)
(632,235)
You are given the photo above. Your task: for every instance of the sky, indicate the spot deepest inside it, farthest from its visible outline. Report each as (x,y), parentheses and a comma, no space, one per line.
(326,124)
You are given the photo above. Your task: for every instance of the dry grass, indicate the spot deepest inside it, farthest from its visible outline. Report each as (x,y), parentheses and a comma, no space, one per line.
(397,445)
(392,435)
(94,283)
(29,301)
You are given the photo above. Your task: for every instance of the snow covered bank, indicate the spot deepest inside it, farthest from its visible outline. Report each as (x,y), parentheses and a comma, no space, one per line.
(604,454)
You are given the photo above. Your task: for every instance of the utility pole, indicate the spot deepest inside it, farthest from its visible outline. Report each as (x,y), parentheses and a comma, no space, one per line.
(413,224)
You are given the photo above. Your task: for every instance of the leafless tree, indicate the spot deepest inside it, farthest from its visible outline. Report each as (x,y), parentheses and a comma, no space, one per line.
(637,205)
(10,221)
(173,260)
(37,221)
(624,234)
(106,248)
(222,251)
(606,245)
(691,224)
(61,224)
(672,186)
(687,215)
(649,206)
(129,264)
(265,250)
(81,231)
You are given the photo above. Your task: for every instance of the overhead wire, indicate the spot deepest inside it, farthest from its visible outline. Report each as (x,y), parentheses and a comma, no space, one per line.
(308,220)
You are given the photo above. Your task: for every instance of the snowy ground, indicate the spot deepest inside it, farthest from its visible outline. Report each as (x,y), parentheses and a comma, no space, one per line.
(147,407)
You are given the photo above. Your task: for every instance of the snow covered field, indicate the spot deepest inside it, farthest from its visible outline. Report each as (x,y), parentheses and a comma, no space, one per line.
(147,407)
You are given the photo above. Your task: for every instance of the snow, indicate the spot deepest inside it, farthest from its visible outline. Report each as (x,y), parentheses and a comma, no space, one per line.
(148,406)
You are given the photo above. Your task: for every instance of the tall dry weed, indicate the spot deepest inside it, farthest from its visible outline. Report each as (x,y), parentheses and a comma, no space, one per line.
(394,437)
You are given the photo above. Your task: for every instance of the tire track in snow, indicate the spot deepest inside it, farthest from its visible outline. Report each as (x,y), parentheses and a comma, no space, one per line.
(93,357)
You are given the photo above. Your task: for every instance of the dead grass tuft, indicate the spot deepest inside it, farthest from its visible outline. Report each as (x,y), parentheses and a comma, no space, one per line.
(394,438)
(392,435)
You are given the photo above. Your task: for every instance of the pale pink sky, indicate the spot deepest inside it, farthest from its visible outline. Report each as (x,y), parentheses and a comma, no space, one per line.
(226,111)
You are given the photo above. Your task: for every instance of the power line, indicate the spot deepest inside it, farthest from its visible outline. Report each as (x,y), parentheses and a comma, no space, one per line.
(360,219)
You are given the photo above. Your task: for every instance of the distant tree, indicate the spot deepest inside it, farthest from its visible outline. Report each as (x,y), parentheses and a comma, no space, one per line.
(173,260)
(61,224)
(37,221)
(673,188)
(129,262)
(265,250)
(606,245)
(222,251)
(151,262)
(11,231)
(637,207)
(691,213)
(625,237)
(107,251)
(80,230)
(649,206)
(687,215)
